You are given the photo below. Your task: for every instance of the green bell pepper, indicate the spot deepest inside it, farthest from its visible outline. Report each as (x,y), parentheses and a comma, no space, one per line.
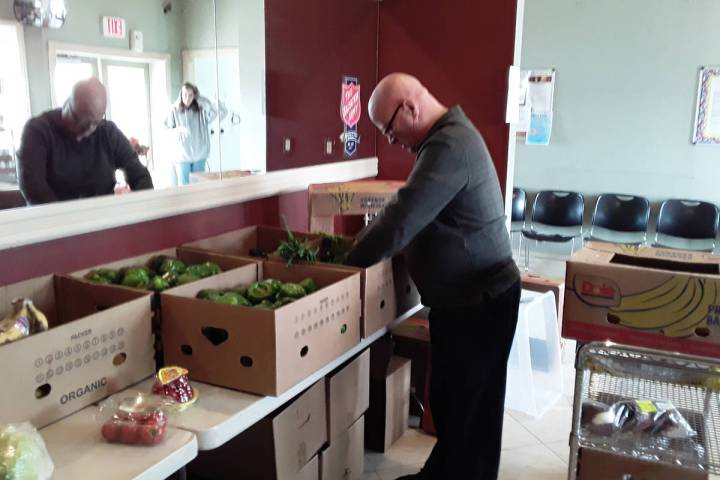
(292,290)
(259,291)
(186,278)
(309,285)
(172,265)
(136,277)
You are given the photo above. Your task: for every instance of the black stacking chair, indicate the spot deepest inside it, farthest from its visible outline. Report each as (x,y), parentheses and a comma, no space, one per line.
(517,220)
(620,219)
(687,224)
(556,217)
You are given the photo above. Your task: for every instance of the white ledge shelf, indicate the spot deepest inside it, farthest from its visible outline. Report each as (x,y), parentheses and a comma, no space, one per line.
(28,225)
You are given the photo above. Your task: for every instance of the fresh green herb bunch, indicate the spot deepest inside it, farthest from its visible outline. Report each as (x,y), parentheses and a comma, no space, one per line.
(294,250)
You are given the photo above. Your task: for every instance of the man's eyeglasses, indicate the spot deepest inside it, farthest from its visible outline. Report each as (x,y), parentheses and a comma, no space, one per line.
(388,129)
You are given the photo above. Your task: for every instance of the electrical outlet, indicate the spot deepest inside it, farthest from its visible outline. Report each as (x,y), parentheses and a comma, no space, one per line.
(287,144)
(329,145)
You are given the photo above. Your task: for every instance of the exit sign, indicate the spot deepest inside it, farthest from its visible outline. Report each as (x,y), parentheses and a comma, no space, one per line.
(113,27)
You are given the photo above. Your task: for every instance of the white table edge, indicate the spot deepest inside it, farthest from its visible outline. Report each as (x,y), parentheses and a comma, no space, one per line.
(173,462)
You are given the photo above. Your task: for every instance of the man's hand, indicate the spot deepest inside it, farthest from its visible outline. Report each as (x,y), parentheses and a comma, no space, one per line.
(121,189)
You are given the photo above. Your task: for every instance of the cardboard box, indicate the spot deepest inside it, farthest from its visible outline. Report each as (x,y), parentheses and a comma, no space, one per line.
(344,458)
(596,464)
(406,292)
(412,340)
(255,350)
(651,297)
(311,471)
(351,198)
(279,447)
(387,417)
(99,342)
(538,283)
(348,391)
(187,255)
(376,282)
(190,257)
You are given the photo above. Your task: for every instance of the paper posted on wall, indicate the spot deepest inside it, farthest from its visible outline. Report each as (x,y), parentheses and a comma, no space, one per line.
(540,128)
(535,103)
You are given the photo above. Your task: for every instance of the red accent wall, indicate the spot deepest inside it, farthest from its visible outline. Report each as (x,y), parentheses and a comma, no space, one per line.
(461,50)
(82,251)
(310,45)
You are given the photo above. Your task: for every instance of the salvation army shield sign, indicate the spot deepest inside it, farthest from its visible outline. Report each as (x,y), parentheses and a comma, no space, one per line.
(350,107)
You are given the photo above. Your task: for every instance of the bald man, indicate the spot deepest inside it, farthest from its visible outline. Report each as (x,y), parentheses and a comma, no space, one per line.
(73,152)
(449,221)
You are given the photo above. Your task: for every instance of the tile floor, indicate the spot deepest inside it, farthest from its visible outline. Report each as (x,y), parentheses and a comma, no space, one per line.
(534,449)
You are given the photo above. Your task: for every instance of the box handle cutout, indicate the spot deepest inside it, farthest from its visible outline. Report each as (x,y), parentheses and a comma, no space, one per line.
(304,351)
(343,329)
(246,361)
(42,391)
(186,349)
(702,331)
(216,336)
(382,304)
(119,359)
(614,319)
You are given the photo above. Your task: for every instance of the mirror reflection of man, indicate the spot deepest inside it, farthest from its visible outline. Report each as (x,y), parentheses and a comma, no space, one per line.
(73,152)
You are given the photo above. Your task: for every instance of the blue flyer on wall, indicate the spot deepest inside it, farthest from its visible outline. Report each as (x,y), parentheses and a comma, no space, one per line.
(540,128)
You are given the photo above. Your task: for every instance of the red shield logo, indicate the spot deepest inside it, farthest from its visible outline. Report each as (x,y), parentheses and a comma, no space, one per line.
(350,104)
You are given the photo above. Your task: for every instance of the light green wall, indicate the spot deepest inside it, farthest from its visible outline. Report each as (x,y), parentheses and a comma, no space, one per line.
(627,74)
(161,34)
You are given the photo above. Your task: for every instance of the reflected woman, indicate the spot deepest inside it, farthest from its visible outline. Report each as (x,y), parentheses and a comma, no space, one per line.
(190,117)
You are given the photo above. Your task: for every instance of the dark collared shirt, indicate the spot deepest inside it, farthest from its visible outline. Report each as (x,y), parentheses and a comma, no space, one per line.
(449,220)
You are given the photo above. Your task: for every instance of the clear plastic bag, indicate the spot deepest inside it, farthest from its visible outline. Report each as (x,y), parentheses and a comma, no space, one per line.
(23,455)
(651,417)
(135,420)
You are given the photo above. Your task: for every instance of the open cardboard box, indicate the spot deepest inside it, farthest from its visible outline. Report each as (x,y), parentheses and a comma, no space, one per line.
(595,464)
(256,350)
(387,418)
(189,256)
(281,446)
(651,297)
(376,282)
(99,342)
(407,295)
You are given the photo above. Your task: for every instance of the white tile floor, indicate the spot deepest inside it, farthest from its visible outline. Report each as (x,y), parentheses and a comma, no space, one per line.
(532,448)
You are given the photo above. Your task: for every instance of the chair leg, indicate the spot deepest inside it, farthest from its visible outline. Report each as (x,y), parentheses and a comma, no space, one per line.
(527,257)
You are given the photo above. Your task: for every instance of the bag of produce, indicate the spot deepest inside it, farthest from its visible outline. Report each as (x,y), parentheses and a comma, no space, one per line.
(23,455)
(652,417)
(135,420)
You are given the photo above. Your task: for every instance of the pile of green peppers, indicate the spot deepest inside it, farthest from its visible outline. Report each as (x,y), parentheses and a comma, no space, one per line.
(163,272)
(268,294)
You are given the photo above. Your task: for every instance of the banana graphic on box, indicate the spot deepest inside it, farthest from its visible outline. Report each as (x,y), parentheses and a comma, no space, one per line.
(679,307)
(25,319)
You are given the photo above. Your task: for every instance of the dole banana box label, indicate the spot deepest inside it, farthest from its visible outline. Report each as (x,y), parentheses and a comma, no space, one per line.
(679,306)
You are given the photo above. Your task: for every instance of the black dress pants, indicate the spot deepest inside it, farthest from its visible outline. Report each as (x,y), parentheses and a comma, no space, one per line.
(470,349)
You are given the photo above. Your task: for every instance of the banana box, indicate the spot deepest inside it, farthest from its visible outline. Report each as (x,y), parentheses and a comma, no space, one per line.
(650,297)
